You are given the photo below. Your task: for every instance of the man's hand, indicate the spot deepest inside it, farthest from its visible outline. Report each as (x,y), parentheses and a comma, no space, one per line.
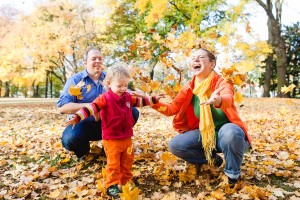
(215,98)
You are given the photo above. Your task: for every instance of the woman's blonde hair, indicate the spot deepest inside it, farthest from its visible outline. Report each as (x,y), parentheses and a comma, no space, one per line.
(118,71)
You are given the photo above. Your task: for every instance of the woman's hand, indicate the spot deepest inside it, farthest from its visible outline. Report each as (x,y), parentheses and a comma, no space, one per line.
(138,93)
(215,98)
(160,96)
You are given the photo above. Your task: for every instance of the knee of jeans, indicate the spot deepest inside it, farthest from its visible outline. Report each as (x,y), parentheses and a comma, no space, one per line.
(173,147)
(68,140)
(135,114)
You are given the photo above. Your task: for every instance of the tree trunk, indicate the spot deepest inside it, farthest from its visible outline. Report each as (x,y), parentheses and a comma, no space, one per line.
(37,90)
(51,85)
(7,89)
(269,63)
(268,75)
(276,40)
(278,44)
(0,88)
(46,86)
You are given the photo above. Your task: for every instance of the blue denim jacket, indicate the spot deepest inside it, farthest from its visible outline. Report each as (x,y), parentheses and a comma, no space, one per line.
(88,97)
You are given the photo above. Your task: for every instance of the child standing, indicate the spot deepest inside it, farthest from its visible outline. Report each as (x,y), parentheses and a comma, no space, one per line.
(117,122)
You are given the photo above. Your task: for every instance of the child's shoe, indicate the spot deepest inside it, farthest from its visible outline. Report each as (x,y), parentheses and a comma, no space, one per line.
(113,191)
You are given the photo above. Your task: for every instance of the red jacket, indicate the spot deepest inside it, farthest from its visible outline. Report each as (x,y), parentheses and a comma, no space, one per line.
(116,116)
(115,112)
(183,109)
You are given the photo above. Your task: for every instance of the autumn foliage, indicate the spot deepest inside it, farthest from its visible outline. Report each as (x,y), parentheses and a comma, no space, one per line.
(34,165)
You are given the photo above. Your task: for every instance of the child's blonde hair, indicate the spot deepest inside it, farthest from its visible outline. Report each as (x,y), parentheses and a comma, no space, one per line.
(118,71)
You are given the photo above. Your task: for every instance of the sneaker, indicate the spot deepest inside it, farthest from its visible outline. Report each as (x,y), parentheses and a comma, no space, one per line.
(218,161)
(113,191)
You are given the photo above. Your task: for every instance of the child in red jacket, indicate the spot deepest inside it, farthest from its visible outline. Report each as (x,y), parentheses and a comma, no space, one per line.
(117,122)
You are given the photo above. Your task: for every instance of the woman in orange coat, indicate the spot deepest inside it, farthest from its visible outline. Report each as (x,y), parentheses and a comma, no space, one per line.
(207,119)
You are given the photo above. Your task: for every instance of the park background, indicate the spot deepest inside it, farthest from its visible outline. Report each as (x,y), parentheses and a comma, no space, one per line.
(42,44)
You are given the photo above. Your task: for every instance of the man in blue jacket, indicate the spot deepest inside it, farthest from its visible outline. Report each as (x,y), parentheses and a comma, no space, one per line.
(89,80)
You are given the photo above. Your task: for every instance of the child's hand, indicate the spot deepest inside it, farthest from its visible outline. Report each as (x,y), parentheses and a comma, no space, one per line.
(71,121)
(97,116)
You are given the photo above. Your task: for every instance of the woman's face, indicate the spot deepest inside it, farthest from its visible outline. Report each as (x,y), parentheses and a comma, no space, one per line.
(201,64)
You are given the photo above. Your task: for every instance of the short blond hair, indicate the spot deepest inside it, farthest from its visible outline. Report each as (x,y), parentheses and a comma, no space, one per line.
(118,71)
(86,53)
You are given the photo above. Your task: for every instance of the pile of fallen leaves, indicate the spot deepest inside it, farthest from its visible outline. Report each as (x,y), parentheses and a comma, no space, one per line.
(34,165)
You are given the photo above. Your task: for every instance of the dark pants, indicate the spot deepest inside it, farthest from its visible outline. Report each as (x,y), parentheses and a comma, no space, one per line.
(78,139)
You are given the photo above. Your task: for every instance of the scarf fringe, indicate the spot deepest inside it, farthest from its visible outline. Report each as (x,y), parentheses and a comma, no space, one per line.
(209,143)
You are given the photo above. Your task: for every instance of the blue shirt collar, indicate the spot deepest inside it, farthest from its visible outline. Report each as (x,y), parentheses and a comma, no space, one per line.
(85,74)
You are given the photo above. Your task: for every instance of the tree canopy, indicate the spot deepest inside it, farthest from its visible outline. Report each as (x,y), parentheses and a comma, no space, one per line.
(43,48)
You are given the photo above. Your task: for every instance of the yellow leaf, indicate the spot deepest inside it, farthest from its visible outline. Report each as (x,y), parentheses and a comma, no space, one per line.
(283,110)
(239,79)
(218,194)
(155,85)
(156,37)
(177,87)
(75,90)
(238,97)
(2,162)
(224,40)
(128,194)
(55,194)
(288,88)
(66,160)
(170,77)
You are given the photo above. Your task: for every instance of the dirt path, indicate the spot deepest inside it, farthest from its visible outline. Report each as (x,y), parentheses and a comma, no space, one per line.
(27,101)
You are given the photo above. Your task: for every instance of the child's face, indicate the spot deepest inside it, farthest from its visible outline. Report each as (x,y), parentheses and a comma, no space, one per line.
(118,86)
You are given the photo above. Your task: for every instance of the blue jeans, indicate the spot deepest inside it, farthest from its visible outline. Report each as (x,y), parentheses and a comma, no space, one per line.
(78,139)
(231,142)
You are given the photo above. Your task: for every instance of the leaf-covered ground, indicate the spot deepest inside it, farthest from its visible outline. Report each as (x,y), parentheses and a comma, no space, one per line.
(33,164)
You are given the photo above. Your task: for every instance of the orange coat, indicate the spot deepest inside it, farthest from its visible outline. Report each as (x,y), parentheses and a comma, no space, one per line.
(183,109)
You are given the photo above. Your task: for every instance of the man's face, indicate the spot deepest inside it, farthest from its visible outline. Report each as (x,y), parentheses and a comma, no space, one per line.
(94,63)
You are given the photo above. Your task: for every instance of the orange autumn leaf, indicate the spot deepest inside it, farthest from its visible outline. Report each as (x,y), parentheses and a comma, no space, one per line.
(168,158)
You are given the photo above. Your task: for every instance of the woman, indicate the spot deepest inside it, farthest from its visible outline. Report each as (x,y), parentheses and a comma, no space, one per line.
(207,119)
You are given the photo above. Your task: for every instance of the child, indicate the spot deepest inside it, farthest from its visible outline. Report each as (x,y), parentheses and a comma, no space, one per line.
(117,122)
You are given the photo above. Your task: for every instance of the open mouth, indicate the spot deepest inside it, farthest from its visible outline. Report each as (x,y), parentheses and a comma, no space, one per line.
(197,66)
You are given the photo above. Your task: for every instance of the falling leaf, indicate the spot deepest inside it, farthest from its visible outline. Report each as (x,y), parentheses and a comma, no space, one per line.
(238,97)
(288,88)
(75,90)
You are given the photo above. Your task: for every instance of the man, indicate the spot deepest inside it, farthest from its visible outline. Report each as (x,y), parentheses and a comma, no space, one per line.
(77,138)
